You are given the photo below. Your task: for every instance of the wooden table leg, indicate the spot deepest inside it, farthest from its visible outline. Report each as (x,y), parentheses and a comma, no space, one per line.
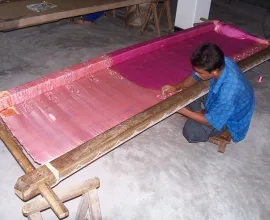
(222,147)
(94,205)
(162,12)
(145,24)
(57,206)
(89,202)
(40,204)
(157,25)
(169,15)
(114,13)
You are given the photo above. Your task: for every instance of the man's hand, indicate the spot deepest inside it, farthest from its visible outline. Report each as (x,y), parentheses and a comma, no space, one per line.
(183,111)
(168,89)
(196,116)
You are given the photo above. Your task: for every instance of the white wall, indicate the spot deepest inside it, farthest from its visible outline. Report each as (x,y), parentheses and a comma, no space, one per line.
(190,11)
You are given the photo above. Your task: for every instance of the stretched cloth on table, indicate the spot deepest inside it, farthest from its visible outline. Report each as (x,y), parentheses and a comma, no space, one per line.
(56,113)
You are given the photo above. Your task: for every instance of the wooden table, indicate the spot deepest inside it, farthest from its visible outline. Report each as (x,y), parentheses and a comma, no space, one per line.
(15,15)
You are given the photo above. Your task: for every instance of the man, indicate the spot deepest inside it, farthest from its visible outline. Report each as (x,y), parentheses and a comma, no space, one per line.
(229,103)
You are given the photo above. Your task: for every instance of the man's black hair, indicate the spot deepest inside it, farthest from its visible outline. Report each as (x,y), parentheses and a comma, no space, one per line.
(209,57)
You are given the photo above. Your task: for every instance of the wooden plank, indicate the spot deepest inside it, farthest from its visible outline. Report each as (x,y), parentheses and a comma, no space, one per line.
(40,204)
(16,15)
(57,206)
(27,185)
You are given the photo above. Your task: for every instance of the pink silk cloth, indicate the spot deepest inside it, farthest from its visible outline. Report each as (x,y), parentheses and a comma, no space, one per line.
(56,113)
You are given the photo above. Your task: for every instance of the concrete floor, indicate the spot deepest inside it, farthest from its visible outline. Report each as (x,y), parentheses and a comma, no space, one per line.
(156,175)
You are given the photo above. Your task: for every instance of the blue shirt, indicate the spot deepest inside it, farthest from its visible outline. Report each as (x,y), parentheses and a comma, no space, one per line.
(230,101)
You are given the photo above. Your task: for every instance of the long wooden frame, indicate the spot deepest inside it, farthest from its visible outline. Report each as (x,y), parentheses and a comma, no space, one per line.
(72,10)
(40,180)
(27,185)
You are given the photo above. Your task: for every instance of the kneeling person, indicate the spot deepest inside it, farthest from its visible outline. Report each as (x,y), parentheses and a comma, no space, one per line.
(229,103)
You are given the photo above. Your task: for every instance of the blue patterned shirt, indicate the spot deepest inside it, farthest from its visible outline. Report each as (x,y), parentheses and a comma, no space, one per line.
(230,101)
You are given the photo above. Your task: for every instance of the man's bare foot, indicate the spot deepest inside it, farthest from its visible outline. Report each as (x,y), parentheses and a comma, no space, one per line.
(83,22)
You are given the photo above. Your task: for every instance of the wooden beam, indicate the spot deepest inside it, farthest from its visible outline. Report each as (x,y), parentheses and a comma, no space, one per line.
(57,206)
(41,204)
(205,20)
(27,185)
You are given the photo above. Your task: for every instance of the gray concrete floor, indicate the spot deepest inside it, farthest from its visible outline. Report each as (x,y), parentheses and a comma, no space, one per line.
(156,175)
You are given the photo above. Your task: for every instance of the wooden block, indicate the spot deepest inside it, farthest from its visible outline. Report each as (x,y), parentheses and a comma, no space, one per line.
(39,204)
(221,140)
(35,216)
(57,206)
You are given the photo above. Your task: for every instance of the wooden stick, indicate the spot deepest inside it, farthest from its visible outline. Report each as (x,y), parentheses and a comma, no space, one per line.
(147,20)
(162,12)
(94,205)
(154,10)
(114,13)
(83,208)
(205,20)
(57,206)
(89,202)
(222,147)
(169,15)
(41,204)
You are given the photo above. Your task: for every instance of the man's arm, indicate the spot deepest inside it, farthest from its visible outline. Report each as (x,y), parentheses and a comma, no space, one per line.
(196,116)
(187,82)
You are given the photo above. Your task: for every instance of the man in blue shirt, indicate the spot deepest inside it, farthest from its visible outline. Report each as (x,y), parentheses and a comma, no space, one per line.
(229,103)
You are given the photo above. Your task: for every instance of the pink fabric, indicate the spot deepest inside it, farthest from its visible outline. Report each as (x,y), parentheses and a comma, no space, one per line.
(57,121)
(234,32)
(169,63)
(63,110)
(48,83)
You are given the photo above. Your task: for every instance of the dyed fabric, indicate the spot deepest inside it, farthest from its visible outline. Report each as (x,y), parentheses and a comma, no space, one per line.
(54,114)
